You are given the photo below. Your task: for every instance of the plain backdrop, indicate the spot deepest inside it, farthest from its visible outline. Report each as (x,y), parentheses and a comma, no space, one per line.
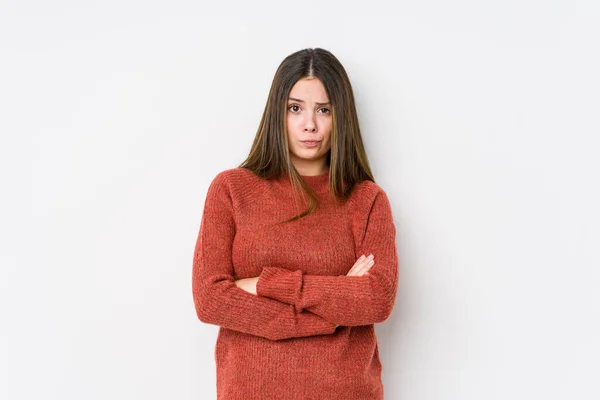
(480,120)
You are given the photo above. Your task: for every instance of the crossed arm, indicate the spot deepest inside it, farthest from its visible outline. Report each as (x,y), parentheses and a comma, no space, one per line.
(360,268)
(281,303)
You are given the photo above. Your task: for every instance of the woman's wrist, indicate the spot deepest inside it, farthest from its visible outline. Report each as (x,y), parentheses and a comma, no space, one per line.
(247,284)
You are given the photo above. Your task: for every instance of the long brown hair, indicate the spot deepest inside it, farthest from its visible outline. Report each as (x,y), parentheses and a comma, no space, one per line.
(269,156)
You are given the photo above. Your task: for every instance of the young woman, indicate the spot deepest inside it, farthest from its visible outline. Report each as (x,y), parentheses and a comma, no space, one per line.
(296,255)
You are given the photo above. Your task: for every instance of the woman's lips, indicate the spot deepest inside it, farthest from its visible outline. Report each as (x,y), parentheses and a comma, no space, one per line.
(310,143)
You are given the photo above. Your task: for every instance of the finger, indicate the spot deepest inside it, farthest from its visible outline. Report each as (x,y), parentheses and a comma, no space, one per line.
(357,272)
(366,265)
(356,265)
(362,265)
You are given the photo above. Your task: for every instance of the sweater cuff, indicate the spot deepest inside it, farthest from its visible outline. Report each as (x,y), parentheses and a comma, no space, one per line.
(280,284)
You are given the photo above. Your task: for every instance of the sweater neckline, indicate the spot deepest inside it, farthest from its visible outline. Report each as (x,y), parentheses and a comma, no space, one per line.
(317,179)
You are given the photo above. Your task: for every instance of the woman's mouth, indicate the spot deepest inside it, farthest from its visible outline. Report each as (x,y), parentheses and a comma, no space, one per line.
(310,143)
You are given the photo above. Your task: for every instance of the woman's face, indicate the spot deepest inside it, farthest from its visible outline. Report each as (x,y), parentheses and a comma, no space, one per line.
(308,122)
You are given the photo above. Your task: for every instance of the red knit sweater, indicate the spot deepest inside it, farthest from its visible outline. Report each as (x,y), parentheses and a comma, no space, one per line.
(308,333)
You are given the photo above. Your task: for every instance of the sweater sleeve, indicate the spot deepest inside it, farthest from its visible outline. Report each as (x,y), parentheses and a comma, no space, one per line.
(346,300)
(219,301)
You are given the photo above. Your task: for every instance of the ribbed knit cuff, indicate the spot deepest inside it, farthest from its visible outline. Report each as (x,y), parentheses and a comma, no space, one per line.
(280,284)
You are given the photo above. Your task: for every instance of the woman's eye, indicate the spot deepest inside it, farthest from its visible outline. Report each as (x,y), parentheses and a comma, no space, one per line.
(296,108)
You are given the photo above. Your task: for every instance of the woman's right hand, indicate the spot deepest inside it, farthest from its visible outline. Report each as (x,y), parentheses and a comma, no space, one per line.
(362,266)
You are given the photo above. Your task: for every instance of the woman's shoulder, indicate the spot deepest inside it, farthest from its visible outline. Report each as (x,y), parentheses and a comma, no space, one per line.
(236,180)
(236,174)
(368,189)
(364,195)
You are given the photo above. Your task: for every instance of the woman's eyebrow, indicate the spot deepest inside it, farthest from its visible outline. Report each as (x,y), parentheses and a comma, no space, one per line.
(302,101)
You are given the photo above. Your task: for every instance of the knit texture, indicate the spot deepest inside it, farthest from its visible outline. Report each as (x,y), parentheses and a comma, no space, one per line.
(308,333)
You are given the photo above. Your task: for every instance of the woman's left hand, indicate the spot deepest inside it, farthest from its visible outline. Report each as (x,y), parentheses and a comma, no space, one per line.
(247,284)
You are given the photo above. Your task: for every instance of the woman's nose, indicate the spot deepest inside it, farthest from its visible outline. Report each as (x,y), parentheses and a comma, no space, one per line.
(310,124)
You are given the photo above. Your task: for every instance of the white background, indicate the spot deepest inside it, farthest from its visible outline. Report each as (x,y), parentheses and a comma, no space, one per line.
(480,120)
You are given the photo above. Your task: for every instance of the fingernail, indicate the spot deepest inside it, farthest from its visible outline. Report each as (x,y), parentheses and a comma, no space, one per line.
(371,256)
